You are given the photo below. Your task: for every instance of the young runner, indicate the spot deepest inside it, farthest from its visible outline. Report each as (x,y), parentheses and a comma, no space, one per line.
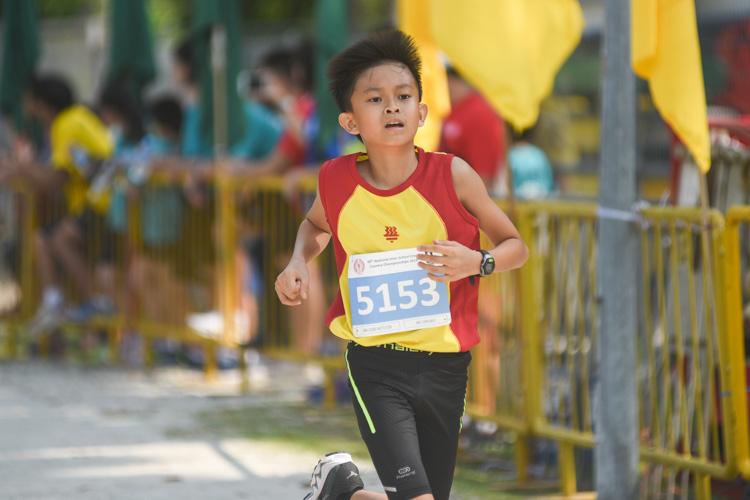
(405,228)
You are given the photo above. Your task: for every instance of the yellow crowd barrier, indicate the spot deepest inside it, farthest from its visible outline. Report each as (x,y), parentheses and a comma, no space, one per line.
(267,213)
(691,394)
(201,270)
(561,323)
(16,235)
(685,411)
(737,237)
(175,270)
(100,252)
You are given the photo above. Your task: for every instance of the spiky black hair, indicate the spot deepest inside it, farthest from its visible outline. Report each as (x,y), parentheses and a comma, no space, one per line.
(378,48)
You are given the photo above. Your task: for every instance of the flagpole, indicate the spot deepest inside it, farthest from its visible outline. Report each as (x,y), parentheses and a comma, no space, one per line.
(225,256)
(616,452)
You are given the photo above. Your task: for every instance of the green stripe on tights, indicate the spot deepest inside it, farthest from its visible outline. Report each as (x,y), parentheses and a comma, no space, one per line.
(356,393)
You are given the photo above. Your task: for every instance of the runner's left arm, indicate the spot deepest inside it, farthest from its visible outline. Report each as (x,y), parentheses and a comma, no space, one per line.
(459,261)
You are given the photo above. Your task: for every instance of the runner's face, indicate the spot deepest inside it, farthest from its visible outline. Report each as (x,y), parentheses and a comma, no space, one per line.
(385,106)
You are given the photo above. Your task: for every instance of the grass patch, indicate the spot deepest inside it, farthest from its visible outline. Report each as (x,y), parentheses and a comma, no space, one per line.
(308,427)
(321,431)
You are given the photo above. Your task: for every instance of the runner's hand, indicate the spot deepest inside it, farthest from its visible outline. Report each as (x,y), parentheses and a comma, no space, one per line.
(455,261)
(292,284)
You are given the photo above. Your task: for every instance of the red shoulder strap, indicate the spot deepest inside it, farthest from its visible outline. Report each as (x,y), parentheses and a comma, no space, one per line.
(336,185)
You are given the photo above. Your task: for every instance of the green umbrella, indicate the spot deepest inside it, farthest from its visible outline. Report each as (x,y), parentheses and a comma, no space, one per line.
(20,55)
(331,28)
(131,58)
(208,17)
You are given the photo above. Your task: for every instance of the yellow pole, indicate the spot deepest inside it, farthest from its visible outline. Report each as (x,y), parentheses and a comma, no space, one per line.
(567,466)
(521,452)
(736,338)
(702,487)
(226,296)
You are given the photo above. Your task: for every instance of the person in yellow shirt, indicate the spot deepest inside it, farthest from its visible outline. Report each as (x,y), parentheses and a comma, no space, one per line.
(79,143)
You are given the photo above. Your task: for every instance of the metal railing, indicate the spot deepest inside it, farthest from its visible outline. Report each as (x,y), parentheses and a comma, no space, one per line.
(535,372)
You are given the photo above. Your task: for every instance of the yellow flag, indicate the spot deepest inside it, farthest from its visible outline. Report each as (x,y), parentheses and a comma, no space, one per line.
(665,51)
(510,50)
(411,20)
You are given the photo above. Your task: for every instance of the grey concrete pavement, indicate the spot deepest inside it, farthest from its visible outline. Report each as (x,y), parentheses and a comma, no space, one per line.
(91,433)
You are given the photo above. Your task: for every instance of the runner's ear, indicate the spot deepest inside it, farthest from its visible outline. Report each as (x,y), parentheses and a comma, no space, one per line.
(346,120)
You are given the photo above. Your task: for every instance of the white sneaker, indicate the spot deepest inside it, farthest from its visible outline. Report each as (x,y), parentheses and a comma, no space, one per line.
(211,324)
(46,319)
(334,475)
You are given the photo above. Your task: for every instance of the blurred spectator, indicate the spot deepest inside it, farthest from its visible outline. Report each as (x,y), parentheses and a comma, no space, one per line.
(285,84)
(162,210)
(473,131)
(262,127)
(162,207)
(531,172)
(193,142)
(262,132)
(733,48)
(79,143)
(165,124)
(119,112)
(153,268)
(10,292)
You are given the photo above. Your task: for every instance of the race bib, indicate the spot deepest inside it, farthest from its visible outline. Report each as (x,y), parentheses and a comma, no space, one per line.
(390,293)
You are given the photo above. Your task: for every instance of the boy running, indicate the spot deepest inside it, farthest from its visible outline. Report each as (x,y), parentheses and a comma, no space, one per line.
(410,316)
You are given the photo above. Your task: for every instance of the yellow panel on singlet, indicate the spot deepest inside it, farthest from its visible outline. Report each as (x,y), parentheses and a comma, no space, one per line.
(372,223)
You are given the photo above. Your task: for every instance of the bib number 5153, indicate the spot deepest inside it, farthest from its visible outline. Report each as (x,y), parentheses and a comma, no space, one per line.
(426,296)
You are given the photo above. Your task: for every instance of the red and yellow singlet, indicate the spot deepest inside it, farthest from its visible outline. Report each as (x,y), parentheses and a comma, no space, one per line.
(424,208)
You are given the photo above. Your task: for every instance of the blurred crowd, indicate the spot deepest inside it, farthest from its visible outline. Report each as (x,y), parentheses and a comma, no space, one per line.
(87,162)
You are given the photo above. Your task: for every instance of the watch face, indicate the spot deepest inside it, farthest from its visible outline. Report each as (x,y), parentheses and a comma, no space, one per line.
(488,265)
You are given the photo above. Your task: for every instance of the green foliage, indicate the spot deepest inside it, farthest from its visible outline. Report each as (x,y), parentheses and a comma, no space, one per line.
(68,8)
(46,9)
(170,16)
(274,10)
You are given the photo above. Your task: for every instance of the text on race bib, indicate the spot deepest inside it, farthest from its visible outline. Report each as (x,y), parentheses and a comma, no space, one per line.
(390,293)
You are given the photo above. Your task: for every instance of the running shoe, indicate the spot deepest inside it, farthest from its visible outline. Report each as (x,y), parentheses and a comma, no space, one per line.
(44,321)
(334,475)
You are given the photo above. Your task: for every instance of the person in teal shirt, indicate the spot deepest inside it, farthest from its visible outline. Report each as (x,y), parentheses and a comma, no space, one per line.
(262,126)
(530,169)
(262,131)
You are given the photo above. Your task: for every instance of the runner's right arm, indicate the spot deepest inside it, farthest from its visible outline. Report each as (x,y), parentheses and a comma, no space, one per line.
(312,238)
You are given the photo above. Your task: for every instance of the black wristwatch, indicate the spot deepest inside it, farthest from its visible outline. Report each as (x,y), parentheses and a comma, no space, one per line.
(487,265)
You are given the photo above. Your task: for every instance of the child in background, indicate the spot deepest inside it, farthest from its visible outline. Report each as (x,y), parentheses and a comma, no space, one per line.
(79,144)
(531,172)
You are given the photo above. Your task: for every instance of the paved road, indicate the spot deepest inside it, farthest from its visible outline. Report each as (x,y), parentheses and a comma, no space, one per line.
(91,433)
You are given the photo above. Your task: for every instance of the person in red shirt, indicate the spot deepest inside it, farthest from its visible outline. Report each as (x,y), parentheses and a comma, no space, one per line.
(473,131)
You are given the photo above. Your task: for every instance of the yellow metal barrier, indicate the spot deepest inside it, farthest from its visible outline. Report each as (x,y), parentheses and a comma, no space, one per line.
(686,412)
(497,389)
(563,332)
(172,275)
(268,214)
(685,409)
(216,257)
(16,235)
(560,321)
(737,236)
(100,255)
